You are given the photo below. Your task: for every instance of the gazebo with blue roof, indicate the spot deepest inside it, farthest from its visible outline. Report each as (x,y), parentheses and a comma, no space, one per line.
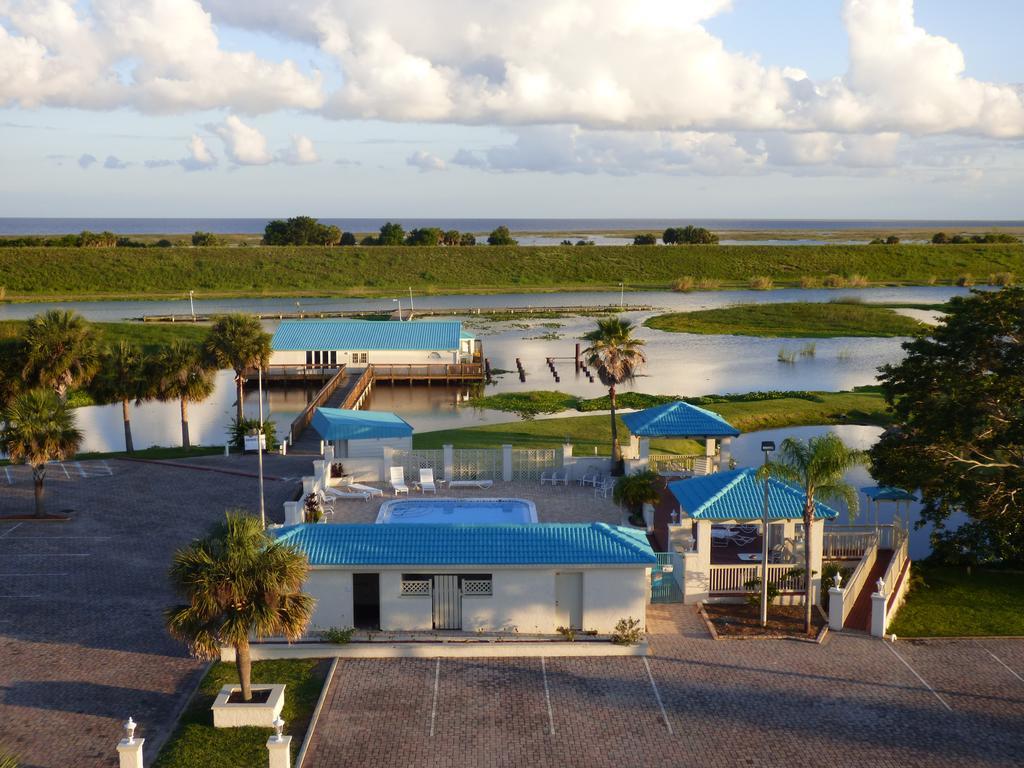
(717,529)
(680,419)
(361,433)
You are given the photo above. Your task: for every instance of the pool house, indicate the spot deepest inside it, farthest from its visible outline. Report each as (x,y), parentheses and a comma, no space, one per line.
(524,579)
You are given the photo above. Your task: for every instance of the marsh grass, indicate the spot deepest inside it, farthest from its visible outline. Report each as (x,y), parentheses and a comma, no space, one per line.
(786,356)
(1003,279)
(761,283)
(683,284)
(965,280)
(834,281)
(809,350)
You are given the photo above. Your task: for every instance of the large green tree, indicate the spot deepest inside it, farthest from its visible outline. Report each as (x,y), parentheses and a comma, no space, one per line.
(181,372)
(501,236)
(300,230)
(122,378)
(818,466)
(238,342)
(39,427)
(391,234)
(958,398)
(238,583)
(616,354)
(61,351)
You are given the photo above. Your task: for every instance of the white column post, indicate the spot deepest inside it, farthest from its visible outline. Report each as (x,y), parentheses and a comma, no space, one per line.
(815,540)
(506,463)
(328,453)
(724,454)
(634,448)
(320,472)
(448,452)
(878,610)
(389,461)
(129,749)
(568,461)
(279,747)
(709,454)
(308,485)
(292,512)
(697,584)
(835,605)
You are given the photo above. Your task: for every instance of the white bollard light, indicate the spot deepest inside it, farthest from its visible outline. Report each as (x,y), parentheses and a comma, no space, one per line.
(129,749)
(279,747)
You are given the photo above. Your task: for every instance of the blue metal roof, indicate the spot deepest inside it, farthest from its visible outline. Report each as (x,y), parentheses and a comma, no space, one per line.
(470,545)
(678,419)
(339,424)
(368,335)
(887,493)
(739,495)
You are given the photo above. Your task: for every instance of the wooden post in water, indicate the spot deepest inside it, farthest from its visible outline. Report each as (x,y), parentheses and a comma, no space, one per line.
(577,357)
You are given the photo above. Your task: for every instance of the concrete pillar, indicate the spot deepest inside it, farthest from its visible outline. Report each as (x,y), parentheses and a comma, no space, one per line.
(389,457)
(878,611)
(709,455)
(569,461)
(319,469)
(280,751)
(649,517)
(328,454)
(835,609)
(308,485)
(292,512)
(815,540)
(697,582)
(130,753)
(633,451)
(506,463)
(724,454)
(448,453)
(644,449)
(321,447)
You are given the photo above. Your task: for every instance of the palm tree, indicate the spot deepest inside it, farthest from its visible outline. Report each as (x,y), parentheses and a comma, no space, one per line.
(238,583)
(122,376)
(61,351)
(817,466)
(240,343)
(616,354)
(39,428)
(181,373)
(633,491)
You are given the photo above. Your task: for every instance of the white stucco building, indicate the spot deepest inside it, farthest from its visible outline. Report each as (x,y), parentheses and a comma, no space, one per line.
(529,579)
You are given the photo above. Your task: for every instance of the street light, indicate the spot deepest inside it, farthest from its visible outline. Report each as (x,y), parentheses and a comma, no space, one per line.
(192,306)
(767,447)
(399,301)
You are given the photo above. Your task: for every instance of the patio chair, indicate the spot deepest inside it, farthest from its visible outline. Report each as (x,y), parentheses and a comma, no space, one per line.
(398,481)
(741,539)
(367,489)
(604,490)
(590,477)
(426,482)
(471,483)
(351,492)
(550,476)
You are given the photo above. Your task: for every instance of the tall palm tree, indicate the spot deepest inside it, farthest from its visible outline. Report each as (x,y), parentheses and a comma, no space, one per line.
(181,373)
(39,428)
(122,377)
(237,583)
(240,343)
(61,351)
(616,354)
(817,466)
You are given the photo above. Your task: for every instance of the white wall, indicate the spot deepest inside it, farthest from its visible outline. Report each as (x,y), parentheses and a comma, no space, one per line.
(375,448)
(613,594)
(522,601)
(332,588)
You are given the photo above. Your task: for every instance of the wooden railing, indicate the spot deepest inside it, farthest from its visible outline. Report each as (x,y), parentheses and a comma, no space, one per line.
(892,574)
(428,371)
(731,578)
(363,383)
(303,419)
(300,371)
(854,585)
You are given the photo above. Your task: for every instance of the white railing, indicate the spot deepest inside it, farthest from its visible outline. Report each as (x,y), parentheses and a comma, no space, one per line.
(892,573)
(847,545)
(859,576)
(673,463)
(731,578)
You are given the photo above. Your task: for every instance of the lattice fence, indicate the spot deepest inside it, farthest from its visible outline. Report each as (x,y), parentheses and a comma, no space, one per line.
(476,587)
(528,464)
(416,588)
(476,463)
(413,461)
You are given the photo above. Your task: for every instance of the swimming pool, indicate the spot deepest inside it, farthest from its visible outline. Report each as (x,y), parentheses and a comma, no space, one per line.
(457,512)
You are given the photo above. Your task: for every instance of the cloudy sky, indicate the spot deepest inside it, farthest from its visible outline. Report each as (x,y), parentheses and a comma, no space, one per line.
(518,108)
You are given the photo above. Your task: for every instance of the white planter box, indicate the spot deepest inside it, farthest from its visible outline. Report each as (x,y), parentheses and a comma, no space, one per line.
(237,715)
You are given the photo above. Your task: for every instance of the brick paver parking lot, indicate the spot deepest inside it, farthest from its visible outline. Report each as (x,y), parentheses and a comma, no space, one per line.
(852,701)
(82,644)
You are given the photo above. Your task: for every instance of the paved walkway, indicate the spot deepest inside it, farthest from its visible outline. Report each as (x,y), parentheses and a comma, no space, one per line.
(853,701)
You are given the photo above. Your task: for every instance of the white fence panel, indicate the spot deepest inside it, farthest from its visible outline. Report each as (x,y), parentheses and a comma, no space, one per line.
(528,464)
(476,463)
(413,461)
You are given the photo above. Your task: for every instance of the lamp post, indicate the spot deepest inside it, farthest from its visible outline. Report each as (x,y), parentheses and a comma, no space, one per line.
(622,295)
(399,302)
(259,448)
(767,447)
(192,306)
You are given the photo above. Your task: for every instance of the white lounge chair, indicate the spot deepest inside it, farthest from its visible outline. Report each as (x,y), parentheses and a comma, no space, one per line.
(479,483)
(426,482)
(351,492)
(360,488)
(398,481)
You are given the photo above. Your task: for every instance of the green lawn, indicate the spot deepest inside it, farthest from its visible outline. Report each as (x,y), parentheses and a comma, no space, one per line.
(791,320)
(955,604)
(197,743)
(149,336)
(590,432)
(65,273)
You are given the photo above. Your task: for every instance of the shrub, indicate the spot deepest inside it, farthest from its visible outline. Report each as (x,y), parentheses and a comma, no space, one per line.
(645,239)
(761,283)
(828,573)
(627,632)
(810,282)
(567,632)
(707,284)
(834,281)
(205,239)
(347,238)
(313,509)
(940,238)
(753,587)
(633,491)
(809,349)
(1002,278)
(683,284)
(965,280)
(238,430)
(339,635)
(163,243)
(501,236)
(858,281)
(467,238)
(689,235)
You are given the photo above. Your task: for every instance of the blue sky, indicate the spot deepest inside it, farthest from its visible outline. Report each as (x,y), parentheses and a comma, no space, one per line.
(703,108)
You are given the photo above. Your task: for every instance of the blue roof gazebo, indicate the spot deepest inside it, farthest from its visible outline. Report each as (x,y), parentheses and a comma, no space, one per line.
(878,493)
(738,495)
(338,424)
(680,419)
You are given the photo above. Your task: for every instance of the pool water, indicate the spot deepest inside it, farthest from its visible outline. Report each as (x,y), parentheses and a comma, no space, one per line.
(457,512)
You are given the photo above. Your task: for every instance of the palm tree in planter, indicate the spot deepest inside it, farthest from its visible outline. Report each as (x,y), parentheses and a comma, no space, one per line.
(616,354)
(238,342)
(39,427)
(122,377)
(60,351)
(818,467)
(238,583)
(181,373)
(633,491)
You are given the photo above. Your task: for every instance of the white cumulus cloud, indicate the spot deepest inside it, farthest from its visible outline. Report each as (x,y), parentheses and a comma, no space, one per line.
(300,152)
(425,161)
(199,157)
(243,144)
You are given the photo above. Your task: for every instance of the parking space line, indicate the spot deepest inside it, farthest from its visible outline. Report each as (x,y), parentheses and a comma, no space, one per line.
(923,681)
(433,708)
(7,472)
(657,696)
(11,530)
(1007,666)
(81,469)
(58,554)
(64,467)
(547,697)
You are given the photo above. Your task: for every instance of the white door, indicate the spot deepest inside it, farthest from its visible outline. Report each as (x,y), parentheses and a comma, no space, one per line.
(569,600)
